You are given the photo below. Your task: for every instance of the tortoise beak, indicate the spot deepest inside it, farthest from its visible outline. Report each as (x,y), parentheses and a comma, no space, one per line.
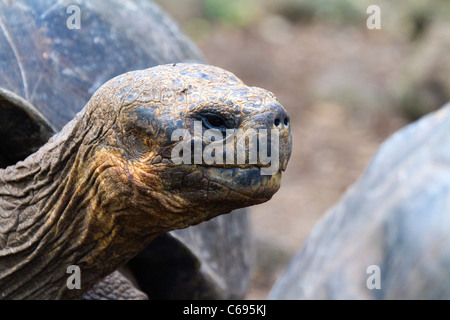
(285,147)
(277,120)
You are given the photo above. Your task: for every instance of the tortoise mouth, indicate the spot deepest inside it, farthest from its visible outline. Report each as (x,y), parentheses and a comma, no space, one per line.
(236,177)
(231,171)
(245,181)
(277,166)
(235,166)
(245,185)
(247,176)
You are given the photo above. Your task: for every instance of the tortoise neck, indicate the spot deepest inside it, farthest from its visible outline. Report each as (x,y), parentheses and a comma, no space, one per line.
(53,216)
(35,198)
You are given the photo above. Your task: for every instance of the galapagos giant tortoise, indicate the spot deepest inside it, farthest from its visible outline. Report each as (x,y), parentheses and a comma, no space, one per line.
(104,185)
(389,235)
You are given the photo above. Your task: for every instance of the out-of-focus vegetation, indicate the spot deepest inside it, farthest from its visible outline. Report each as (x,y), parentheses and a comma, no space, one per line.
(423,84)
(401,17)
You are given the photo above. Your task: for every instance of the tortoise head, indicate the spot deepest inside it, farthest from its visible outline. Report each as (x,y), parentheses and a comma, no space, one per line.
(190,141)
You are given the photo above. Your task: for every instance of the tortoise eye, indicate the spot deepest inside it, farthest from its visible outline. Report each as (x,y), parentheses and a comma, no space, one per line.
(214,121)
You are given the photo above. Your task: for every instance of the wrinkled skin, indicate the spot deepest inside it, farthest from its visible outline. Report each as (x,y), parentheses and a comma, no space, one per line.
(106,185)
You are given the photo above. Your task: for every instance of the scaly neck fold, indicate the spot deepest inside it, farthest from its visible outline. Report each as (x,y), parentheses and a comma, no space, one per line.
(53,215)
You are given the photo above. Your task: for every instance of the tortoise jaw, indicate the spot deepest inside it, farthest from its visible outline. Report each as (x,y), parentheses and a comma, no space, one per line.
(244,178)
(245,186)
(241,181)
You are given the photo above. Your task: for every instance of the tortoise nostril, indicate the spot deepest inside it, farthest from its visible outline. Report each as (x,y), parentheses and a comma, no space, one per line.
(277,122)
(280,117)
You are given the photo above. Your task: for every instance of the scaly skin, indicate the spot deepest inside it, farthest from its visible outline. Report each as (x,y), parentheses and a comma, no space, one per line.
(101,189)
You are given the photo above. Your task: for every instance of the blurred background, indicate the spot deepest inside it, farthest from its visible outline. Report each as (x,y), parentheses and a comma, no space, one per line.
(346,88)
